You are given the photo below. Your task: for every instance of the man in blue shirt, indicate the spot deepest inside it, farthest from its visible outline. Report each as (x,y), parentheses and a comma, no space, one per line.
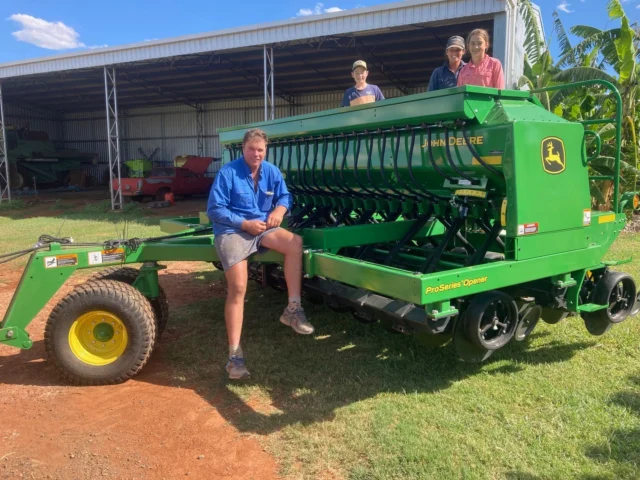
(446,76)
(247,203)
(362,92)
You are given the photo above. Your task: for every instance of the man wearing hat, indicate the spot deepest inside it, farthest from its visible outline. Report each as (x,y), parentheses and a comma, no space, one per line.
(362,92)
(446,76)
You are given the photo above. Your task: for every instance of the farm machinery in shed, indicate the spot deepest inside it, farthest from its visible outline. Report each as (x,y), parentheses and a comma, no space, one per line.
(460,214)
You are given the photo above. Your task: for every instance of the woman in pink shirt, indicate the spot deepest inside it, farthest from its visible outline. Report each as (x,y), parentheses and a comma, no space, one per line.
(482,70)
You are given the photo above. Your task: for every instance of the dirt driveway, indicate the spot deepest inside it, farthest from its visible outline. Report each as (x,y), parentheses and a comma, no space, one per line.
(148,428)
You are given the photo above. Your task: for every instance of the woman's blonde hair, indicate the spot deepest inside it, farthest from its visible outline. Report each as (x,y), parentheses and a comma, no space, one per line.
(481,32)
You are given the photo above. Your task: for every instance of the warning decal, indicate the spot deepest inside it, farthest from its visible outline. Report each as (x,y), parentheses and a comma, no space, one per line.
(106,256)
(61,261)
(528,228)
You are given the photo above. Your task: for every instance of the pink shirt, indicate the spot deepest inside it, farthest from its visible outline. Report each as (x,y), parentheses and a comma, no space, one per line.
(488,74)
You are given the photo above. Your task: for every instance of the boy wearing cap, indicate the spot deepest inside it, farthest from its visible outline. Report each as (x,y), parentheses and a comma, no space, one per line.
(362,92)
(446,76)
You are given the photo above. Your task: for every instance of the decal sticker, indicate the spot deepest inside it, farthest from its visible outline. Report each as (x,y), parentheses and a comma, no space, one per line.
(443,287)
(586,217)
(606,218)
(61,261)
(553,155)
(106,256)
(528,228)
(471,193)
(503,213)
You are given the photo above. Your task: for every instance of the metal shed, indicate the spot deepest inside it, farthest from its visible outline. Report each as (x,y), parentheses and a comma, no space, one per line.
(174,94)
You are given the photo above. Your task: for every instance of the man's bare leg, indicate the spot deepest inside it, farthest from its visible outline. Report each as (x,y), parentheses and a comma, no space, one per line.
(290,245)
(237,278)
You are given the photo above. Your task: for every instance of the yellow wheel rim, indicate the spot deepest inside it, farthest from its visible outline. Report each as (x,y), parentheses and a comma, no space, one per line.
(98,338)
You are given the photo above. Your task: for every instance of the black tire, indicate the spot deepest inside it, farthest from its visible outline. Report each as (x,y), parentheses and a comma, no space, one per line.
(98,298)
(527,323)
(553,315)
(128,275)
(618,291)
(468,351)
(482,330)
(161,193)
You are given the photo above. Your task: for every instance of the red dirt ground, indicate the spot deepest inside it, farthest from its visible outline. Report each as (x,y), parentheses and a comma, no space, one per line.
(147,428)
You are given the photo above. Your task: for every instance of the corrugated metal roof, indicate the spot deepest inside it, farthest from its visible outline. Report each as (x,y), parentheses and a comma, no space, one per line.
(348,21)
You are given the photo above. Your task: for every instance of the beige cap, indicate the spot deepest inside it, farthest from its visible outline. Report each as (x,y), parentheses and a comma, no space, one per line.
(359,63)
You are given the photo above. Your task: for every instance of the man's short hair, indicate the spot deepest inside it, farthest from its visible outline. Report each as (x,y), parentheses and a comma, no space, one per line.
(253,134)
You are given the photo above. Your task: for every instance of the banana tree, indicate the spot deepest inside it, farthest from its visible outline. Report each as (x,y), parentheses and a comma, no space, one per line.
(598,50)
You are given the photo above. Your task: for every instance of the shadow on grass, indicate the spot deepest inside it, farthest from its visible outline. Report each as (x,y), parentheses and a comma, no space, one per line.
(623,446)
(307,378)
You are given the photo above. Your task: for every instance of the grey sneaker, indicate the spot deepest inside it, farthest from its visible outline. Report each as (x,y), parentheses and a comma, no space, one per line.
(236,368)
(297,320)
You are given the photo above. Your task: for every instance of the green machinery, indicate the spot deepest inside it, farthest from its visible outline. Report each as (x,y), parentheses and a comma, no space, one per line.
(461,214)
(32,155)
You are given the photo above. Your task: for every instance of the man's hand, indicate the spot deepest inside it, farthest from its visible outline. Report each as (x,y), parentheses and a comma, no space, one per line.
(254,227)
(275,218)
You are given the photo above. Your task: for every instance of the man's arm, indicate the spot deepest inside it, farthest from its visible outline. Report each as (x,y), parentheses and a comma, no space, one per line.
(219,201)
(283,201)
(379,95)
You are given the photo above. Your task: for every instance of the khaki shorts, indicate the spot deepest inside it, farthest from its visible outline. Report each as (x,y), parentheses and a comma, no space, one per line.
(233,248)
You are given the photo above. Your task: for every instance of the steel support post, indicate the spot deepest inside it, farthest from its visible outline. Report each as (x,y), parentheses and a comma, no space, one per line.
(269,107)
(113,136)
(5,185)
(200,128)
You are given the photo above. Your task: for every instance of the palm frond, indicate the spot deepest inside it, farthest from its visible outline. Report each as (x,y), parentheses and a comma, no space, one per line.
(534,44)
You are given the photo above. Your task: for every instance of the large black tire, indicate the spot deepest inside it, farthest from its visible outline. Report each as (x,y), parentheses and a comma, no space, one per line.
(618,291)
(128,275)
(73,351)
(491,331)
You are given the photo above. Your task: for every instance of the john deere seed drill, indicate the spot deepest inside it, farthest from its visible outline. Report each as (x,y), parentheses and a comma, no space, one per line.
(461,214)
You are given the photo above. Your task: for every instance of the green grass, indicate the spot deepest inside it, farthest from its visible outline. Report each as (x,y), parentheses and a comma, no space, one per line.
(359,402)
(356,401)
(85,226)
(12,205)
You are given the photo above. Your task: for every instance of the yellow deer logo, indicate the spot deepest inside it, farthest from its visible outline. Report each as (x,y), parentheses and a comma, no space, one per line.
(553,155)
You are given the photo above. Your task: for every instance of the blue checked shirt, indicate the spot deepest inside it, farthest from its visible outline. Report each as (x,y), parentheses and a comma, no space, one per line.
(233,199)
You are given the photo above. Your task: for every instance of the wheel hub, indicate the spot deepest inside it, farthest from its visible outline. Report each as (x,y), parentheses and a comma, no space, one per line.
(98,338)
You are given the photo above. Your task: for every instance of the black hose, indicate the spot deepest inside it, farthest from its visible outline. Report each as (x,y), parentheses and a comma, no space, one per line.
(473,181)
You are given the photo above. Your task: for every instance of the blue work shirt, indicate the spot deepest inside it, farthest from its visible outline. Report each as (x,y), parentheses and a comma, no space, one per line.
(442,77)
(233,198)
(370,93)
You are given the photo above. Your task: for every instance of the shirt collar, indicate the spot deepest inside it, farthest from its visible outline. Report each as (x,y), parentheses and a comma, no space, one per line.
(247,170)
(446,65)
(484,61)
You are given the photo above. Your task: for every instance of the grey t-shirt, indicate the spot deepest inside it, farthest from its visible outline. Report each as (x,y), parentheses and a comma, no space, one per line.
(370,93)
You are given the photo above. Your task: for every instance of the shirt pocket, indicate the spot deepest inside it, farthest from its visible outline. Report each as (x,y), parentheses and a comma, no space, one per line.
(265,201)
(241,199)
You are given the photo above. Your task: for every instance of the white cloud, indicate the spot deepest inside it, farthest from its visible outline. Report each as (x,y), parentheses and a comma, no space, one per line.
(317,10)
(44,34)
(564,7)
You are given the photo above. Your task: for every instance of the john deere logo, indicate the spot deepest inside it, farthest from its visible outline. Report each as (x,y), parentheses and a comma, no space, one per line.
(553,157)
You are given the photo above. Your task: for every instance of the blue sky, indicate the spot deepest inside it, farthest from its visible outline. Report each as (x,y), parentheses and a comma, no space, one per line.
(38,28)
